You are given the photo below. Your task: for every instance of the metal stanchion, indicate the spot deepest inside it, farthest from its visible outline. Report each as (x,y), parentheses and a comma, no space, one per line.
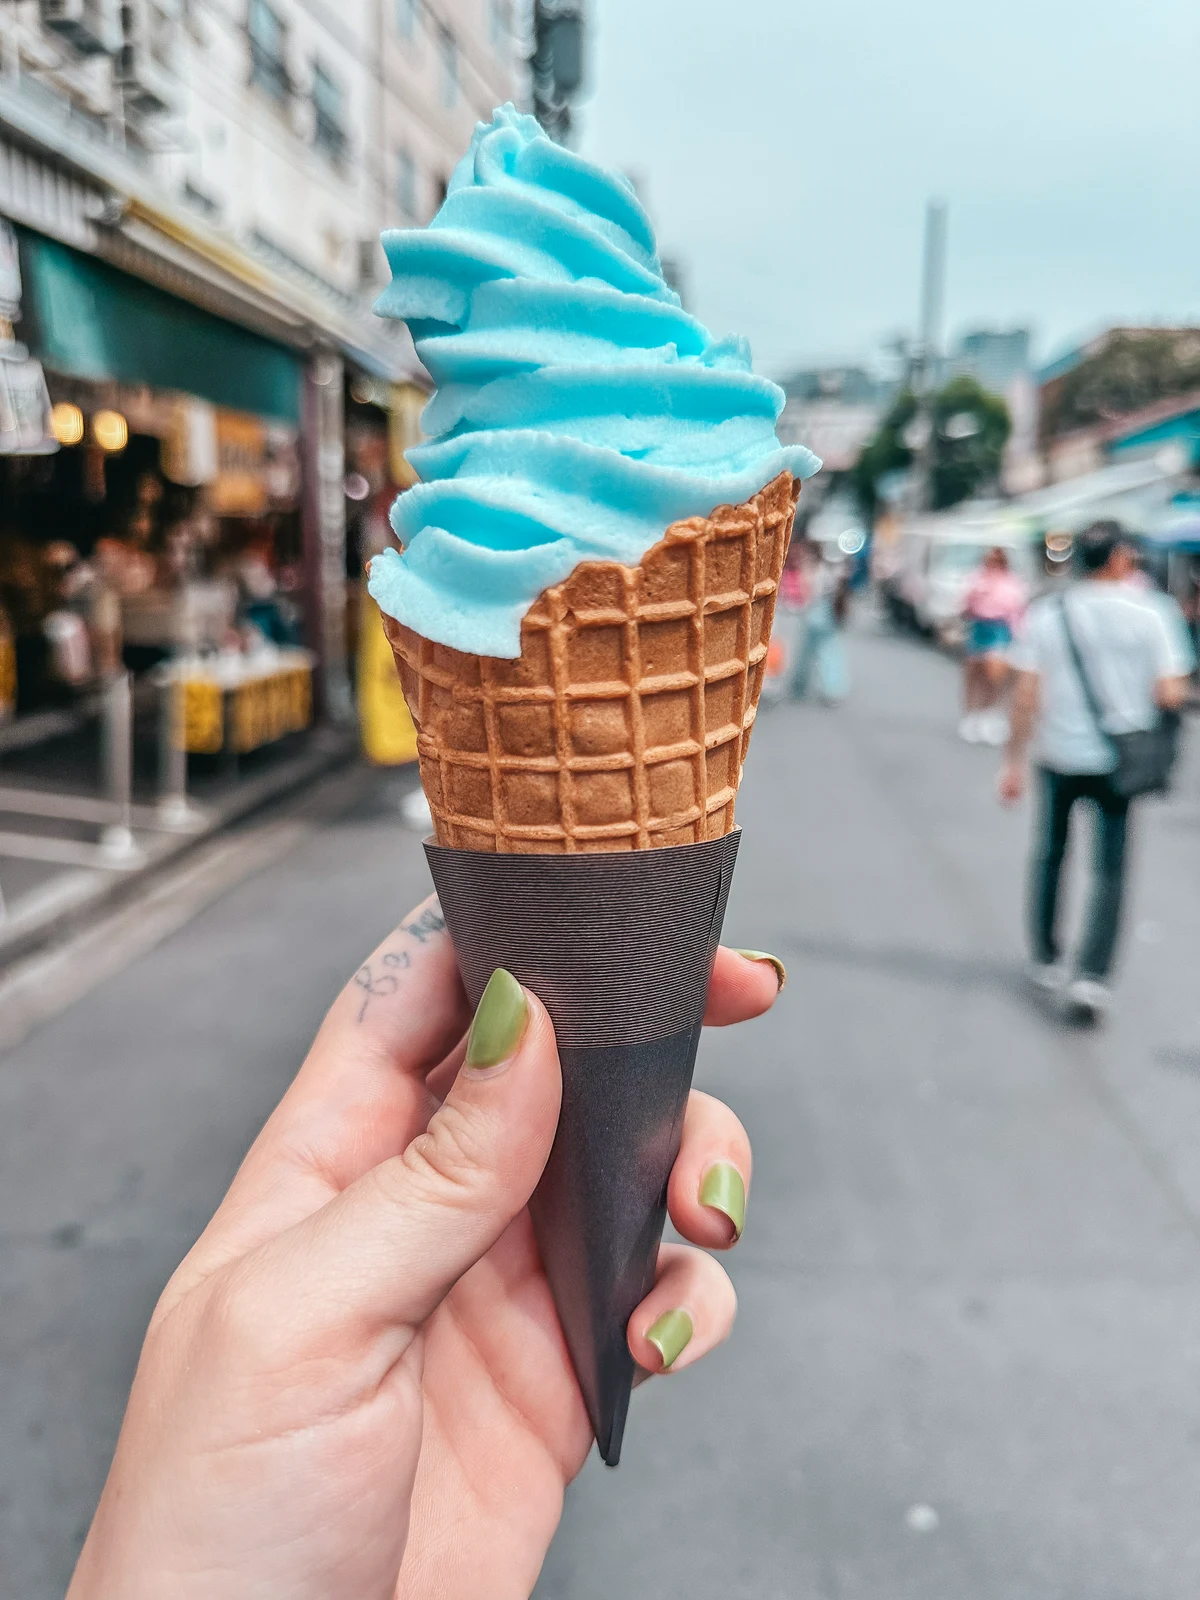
(173,810)
(117,844)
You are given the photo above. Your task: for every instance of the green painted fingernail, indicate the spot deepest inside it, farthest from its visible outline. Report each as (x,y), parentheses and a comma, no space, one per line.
(723,1189)
(765,955)
(670,1335)
(499,1023)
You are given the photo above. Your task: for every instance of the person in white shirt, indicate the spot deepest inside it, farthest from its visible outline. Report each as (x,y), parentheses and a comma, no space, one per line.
(1137,660)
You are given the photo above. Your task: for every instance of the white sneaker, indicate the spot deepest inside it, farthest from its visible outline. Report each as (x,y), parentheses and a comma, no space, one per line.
(1049,976)
(1090,996)
(969,729)
(994,728)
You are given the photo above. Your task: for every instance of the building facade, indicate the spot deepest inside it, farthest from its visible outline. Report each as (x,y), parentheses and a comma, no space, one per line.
(994,358)
(195,191)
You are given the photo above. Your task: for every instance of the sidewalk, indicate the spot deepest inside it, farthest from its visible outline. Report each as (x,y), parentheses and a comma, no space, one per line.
(51,805)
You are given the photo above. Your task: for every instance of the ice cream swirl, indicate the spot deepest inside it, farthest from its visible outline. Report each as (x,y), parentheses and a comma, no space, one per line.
(579,409)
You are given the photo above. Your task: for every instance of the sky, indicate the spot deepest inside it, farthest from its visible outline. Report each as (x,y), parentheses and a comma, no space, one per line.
(787,150)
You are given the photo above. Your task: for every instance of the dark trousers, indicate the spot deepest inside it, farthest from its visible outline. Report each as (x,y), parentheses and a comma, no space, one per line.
(1059,792)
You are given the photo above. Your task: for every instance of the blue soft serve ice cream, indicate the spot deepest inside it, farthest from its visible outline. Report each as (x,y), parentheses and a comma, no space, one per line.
(579,409)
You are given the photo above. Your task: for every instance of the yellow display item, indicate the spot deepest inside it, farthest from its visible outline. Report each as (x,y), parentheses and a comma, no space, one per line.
(203,719)
(247,720)
(266,709)
(388,736)
(240,712)
(8,677)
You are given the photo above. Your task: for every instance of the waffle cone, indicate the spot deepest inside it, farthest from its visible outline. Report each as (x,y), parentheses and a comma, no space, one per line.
(624,722)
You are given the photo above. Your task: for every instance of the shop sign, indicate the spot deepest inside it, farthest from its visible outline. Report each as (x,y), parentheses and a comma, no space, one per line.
(191,449)
(257,466)
(240,486)
(10,274)
(24,407)
(24,403)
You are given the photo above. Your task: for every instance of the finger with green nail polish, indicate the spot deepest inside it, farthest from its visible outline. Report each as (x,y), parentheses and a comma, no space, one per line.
(774,961)
(500,1022)
(723,1189)
(670,1336)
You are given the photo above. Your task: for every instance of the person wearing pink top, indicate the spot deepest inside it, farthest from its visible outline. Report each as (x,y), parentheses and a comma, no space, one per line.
(993,608)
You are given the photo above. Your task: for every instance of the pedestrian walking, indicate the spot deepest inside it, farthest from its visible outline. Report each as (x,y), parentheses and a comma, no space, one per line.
(795,592)
(993,607)
(821,654)
(1100,673)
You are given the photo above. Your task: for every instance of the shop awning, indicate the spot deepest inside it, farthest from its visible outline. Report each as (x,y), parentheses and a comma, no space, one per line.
(87,319)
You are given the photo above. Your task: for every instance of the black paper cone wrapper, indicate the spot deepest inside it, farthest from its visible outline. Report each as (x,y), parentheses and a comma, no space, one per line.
(619,948)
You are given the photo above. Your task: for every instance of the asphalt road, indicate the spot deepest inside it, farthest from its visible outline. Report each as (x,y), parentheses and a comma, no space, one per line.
(967,1365)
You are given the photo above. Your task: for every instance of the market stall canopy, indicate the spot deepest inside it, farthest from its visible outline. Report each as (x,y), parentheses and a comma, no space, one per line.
(1137,494)
(1180,528)
(90,320)
(1133,493)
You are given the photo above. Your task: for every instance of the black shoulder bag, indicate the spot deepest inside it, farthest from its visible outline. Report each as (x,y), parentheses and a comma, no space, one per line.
(1146,757)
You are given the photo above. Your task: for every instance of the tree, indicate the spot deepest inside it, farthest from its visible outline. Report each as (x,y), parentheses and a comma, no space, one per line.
(1132,368)
(970,429)
(885,452)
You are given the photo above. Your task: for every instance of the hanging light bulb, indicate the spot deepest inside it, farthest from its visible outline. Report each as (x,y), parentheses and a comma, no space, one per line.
(66,423)
(110,430)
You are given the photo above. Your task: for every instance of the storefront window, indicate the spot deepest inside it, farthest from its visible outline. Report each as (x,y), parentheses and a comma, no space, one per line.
(173,535)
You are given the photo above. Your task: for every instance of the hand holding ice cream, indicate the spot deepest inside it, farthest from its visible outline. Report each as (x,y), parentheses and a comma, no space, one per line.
(357,1372)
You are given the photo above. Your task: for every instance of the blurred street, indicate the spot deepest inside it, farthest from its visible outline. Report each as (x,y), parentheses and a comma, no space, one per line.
(967,1365)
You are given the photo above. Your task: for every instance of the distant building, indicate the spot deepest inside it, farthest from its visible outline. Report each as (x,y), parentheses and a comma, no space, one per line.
(850,385)
(1179,346)
(1067,360)
(998,360)
(834,411)
(993,358)
(1127,389)
(1172,424)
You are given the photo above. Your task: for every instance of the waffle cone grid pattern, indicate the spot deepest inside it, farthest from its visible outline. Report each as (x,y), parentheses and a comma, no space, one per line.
(623,724)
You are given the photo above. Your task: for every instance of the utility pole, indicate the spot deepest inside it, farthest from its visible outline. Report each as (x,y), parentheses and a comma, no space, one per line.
(933,288)
(919,433)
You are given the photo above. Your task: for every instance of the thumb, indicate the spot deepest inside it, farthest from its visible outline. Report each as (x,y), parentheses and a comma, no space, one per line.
(388,1249)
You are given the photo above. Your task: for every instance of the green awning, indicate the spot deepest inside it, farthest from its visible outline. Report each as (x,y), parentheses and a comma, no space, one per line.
(87,319)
